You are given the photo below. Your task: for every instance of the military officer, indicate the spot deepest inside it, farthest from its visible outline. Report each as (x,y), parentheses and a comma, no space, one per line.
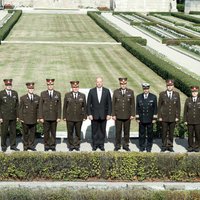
(50,114)
(191,118)
(74,112)
(28,115)
(9,108)
(123,111)
(146,114)
(169,108)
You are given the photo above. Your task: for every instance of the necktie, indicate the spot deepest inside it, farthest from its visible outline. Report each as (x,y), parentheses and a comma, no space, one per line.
(123,92)
(75,95)
(50,95)
(9,93)
(194,100)
(145,96)
(170,95)
(31,97)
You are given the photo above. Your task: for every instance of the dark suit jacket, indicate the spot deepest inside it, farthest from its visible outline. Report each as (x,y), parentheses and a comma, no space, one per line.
(169,109)
(50,108)
(96,109)
(192,111)
(28,110)
(74,109)
(9,106)
(123,106)
(146,109)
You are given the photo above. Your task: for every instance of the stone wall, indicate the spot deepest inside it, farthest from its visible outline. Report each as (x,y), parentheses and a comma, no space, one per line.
(192,5)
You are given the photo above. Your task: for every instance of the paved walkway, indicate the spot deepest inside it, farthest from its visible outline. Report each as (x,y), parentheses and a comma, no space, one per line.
(103,185)
(181,59)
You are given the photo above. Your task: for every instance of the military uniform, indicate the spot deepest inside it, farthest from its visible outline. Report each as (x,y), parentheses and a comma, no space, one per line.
(74,112)
(50,112)
(123,108)
(146,112)
(192,118)
(28,115)
(9,105)
(169,111)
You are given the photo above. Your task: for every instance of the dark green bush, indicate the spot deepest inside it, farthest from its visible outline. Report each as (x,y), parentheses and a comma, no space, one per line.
(178,41)
(180,7)
(4,31)
(186,17)
(67,166)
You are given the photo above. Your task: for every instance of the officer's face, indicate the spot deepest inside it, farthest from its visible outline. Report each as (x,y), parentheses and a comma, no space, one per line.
(170,87)
(30,90)
(50,86)
(195,94)
(123,86)
(8,87)
(75,89)
(99,82)
(146,90)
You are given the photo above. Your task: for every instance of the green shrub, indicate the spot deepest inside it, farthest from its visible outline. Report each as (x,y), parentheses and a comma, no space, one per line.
(178,41)
(180,7)
(4,31)
(186,17)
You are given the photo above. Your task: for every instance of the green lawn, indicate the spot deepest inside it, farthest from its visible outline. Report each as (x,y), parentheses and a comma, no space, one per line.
(36,62)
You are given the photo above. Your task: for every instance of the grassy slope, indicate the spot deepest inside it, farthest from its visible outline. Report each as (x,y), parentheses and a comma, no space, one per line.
(25,62)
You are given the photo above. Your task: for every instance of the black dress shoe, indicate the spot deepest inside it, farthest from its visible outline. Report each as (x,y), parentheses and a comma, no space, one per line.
(4,149)
(25,149)
(14,149)
(94,148)
(116,149)
(53,149)
(148,150)
(170,149)
(46,149)
(77,149)
(102,148)
(126,148)
(163,149)
(33,149)
(71,149)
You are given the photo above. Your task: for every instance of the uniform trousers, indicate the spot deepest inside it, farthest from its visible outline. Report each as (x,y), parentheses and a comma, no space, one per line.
(50,133)
(193,135)
(145,129)
(74,138)
(119,125)
(29,135)
(168,134)
(98,132)
(8,128)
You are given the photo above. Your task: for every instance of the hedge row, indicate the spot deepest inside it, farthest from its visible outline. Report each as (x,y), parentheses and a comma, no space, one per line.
(63,194)
(180,7)
(186,17)
(132,166)
(178,41)
(158,65)
(118,35)
(194,12)
(4,31)
(161,67)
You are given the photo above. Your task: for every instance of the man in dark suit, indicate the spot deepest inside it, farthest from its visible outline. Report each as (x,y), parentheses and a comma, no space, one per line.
(146,114)
(50,114)
(74,112)
(28,115)
(9,108)
(191,118)
(169,108)
(99,109)
(123,111)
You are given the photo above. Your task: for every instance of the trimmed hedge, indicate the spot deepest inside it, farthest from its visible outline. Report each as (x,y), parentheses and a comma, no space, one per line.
(161,67)
(186,17)
(123,166)
(4,31)
(112,31)
(178,41)
(180,7)
(63,194)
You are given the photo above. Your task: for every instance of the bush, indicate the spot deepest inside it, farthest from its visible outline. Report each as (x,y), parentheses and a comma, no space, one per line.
(4,31)
(123,166)
(178,41)
(186,17)
(180,7)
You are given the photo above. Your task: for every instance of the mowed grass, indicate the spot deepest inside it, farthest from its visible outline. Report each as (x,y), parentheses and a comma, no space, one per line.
(49,27)
(36,62)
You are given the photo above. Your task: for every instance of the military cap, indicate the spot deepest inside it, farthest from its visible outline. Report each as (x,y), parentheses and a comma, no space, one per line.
(123,81)
(30,85)
(169,82)
(194,88)
(145,85)
(50,81)
(8,81)
(74,84)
